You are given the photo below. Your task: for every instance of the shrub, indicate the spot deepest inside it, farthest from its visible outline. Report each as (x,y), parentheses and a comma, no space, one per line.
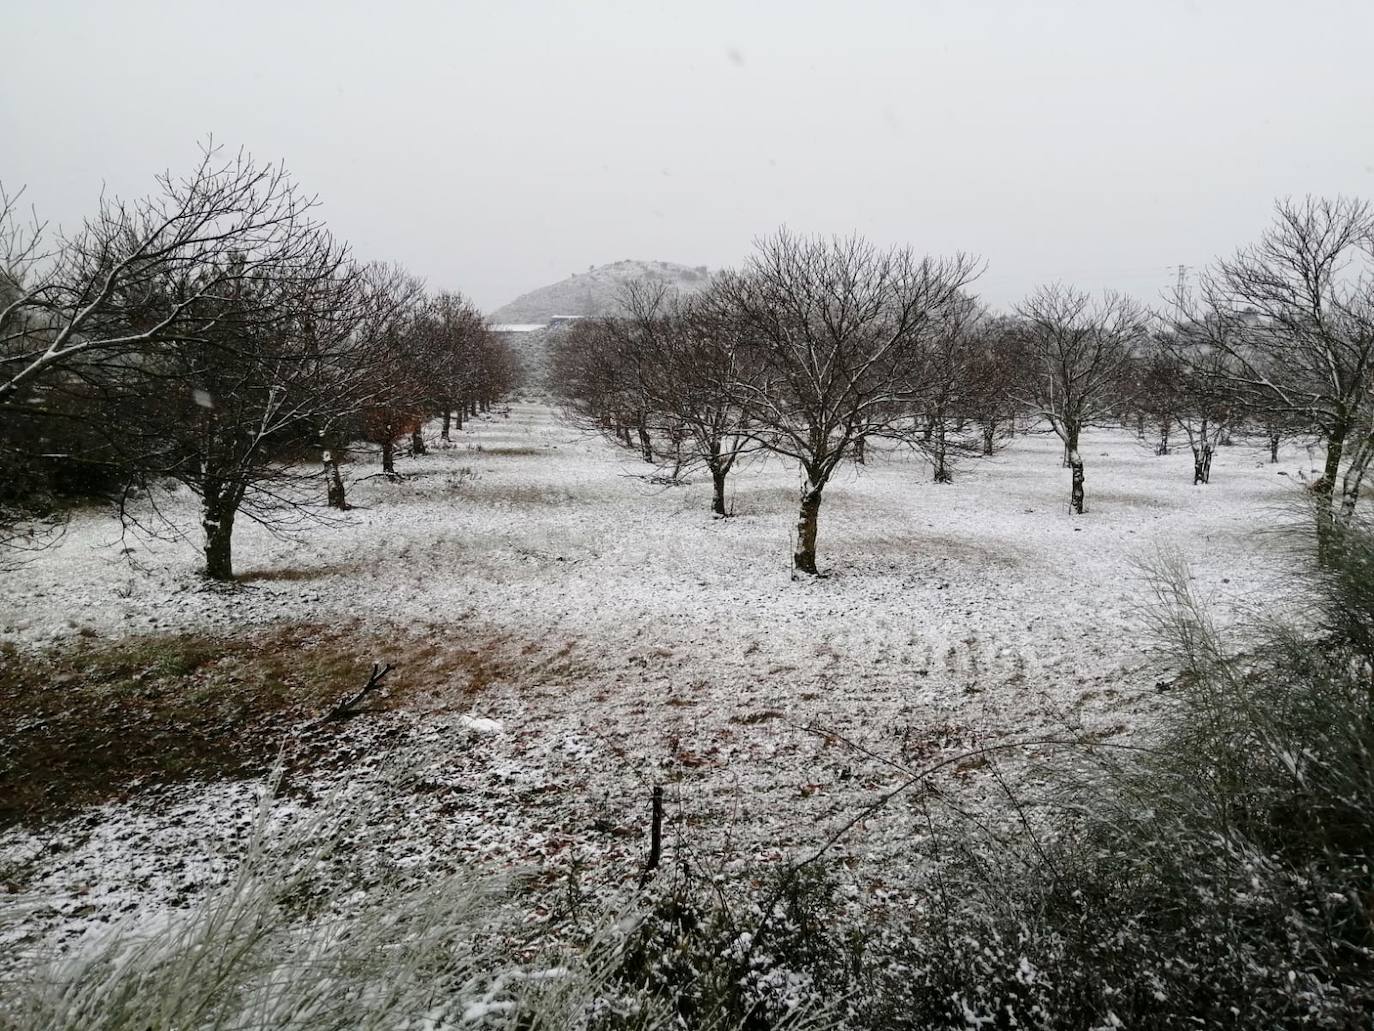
(1220,877)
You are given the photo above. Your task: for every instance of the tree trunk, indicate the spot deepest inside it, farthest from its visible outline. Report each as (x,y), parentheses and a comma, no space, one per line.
(1076,493)
(334,482)
(389,457)
(1354,478)
(417,443)
(859,449)
(804,559)
(1140,425)
(942,473)
(443,433)
(646,447)
(1200,461)
(1324,490)
(718,474)
(217,519)
(1071,433)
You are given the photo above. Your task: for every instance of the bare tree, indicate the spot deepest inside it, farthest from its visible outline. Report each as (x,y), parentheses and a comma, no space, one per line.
(81,308)
(833,330)
(82,302)
(688,362)
(952,383)
(1185,386)
(226,412)
(992,379)
(1076,353)
(455,356)
(597,375)
(1294,313)
(392,334)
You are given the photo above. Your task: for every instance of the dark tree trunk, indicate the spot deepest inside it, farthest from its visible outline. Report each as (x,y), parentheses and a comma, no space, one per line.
(217,519)
(1199,466)
(1070,443)
(860,447)
(1324,490)
(458,415)
(1355,472)
(472,407)
(804,560)
(389,457)
(1076,493)
(718,474)
(941,462)
(443,433)
(1140,425)
(646,447)
(334,482)
(417,443)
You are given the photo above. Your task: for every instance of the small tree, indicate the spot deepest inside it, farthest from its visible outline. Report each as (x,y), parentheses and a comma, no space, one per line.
(456,341)
(833,330)
(226,412)
(992,379)
(688,362)
(1188,382)
(392,335)
(1075,356)
(951,388)
(597,374)
(1294,314)
(138,280)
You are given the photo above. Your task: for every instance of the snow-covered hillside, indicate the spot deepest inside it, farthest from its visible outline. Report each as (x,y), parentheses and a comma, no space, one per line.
(596,291)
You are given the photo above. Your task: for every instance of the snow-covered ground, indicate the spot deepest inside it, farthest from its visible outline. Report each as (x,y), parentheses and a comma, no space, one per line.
(640,641)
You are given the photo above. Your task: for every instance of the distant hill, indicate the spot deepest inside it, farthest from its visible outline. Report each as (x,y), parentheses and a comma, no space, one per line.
(595,292)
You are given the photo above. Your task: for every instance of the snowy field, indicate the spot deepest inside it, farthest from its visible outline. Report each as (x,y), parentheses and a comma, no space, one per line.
(629,639)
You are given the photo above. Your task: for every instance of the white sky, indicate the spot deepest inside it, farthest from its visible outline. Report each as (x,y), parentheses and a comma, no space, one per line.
(496,147)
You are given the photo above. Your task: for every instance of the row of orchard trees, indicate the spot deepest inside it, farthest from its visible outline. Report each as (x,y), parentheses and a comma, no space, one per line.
(817,347)
(215,334)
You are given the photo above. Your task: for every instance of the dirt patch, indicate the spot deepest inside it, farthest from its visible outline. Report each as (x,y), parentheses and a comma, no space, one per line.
(301,574)
(95,721)
(511,452)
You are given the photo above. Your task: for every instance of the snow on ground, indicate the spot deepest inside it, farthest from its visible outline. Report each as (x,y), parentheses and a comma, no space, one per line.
(650,643)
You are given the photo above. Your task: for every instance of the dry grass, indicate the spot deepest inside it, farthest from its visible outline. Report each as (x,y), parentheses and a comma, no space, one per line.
(94,721)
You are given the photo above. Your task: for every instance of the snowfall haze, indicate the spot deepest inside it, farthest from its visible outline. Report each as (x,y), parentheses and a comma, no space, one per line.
(496,148)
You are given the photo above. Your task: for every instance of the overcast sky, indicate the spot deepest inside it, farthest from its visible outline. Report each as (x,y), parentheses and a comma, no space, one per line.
(496,147)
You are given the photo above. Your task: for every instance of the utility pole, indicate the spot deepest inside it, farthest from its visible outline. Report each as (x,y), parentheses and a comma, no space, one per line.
(1183,271)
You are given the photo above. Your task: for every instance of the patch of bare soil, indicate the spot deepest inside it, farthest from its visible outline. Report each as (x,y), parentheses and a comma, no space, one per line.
(99,721)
